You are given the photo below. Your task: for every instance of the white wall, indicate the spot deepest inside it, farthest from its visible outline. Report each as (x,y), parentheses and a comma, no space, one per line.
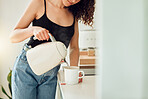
(10,13)
(123,65)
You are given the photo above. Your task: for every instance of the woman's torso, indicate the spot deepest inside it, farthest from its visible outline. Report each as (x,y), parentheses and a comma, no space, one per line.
(60,23)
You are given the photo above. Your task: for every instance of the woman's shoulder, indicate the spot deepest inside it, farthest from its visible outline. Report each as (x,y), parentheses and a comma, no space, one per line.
(38,2)
(36,5)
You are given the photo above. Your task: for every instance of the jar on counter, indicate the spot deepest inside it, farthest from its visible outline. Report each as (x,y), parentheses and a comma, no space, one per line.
(91,51)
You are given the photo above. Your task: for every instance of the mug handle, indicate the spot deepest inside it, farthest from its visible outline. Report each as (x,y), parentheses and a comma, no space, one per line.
(82,73)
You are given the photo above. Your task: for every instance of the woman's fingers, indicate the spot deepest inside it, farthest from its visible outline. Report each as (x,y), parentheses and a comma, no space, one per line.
(38,36)
(42,34)
(47,35)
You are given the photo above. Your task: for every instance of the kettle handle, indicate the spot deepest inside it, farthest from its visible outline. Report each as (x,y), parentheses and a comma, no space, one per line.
(51,37)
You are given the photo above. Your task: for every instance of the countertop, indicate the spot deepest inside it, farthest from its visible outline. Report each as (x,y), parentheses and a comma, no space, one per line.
(83,90)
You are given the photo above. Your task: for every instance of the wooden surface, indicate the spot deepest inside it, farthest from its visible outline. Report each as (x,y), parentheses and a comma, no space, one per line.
(85,59)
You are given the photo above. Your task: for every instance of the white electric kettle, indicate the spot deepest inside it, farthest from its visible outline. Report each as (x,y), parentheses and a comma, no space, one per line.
(46,56)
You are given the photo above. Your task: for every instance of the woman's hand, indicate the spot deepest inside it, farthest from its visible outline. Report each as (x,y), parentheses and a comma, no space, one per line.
(40,33)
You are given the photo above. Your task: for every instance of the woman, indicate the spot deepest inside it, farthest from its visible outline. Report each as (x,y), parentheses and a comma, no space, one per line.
(60,18)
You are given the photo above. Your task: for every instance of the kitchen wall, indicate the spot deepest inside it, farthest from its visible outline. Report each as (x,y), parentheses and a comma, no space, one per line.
(10,12)
(123,69)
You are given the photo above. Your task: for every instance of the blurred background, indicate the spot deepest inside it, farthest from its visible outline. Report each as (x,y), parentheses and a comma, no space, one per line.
(124,49)
(10,13)
(120,34)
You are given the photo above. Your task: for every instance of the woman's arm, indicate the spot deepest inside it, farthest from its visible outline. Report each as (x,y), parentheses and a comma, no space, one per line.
(74,47)
(22,31)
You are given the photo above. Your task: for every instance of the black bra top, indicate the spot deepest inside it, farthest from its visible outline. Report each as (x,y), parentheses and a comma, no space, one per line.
(60,33)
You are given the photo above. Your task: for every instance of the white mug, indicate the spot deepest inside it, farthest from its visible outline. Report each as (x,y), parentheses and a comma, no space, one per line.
(72,74)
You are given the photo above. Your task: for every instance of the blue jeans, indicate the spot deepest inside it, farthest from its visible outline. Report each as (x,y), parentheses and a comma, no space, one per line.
(27,85)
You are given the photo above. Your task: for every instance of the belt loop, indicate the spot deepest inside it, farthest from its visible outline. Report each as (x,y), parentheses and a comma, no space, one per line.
(26,47)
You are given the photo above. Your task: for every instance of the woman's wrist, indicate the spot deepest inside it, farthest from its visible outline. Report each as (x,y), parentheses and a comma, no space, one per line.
(30,30)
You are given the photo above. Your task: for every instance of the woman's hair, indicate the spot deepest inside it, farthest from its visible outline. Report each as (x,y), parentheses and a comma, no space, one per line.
(84,11)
